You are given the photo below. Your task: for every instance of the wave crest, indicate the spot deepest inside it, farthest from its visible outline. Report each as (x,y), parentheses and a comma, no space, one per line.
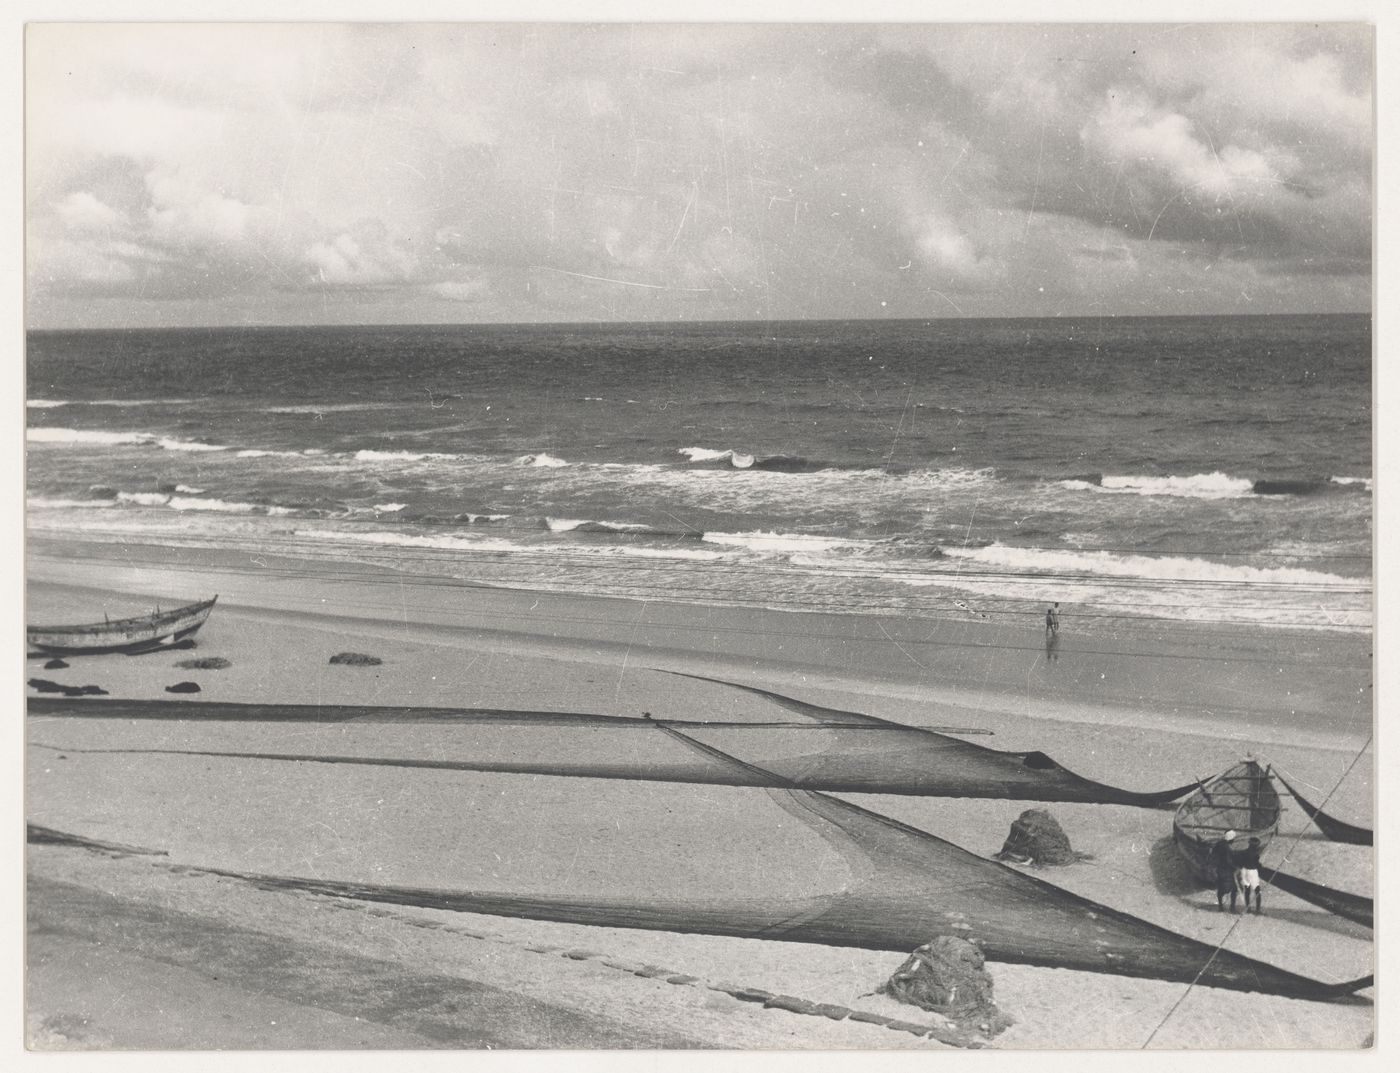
(542,460)
(1215,485)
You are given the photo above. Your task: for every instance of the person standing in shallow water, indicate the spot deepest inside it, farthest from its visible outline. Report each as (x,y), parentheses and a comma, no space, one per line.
(1222,859)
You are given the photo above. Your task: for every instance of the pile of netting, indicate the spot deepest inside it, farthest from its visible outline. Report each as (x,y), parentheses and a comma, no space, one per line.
(946,977)
(1037,838)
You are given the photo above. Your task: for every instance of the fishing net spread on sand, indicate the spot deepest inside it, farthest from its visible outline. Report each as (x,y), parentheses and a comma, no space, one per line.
(946,977)
(1037,838)
(907,885)
(850,752)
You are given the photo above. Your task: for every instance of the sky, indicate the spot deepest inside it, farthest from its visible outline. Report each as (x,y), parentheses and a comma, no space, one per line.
(264,173)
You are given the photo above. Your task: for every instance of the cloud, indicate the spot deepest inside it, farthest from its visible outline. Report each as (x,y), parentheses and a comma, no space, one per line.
(1160,143)
(685,170)
(368,257)
(81,211)
(183,214)
(466,290)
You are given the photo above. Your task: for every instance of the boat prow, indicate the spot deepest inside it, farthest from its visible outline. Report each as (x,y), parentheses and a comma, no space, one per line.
(140,633)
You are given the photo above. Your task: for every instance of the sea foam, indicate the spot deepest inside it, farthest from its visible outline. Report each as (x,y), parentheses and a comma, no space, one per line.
(1164,568)
(1199,486)
(541,460)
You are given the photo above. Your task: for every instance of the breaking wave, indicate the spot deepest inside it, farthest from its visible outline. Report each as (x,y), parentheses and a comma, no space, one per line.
(402,456)
(1215,485)
(1162,568)
(541,461)
(1199,486)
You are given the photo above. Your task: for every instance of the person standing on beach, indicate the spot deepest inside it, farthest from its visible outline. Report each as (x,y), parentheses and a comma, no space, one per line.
(1052,619)
(1222,858)
(1247,876)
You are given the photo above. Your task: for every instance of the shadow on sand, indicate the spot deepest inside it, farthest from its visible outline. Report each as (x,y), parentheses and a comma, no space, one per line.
(1169,871)
(1171,876)
(1310,918)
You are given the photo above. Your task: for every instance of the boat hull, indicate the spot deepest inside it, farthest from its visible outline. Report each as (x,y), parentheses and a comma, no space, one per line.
(142,633)
(1242,800)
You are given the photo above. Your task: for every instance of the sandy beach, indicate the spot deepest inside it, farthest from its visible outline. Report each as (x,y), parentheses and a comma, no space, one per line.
(240,956)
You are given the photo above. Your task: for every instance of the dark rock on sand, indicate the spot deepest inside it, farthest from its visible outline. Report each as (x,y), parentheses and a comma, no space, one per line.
(43,685)
(183,687)
(356,659)
(947,977)
(55,665)
(205,663)
(1037,837)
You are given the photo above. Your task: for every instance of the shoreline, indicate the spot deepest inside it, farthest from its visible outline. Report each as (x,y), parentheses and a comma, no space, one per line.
(1254,670)
(278,621)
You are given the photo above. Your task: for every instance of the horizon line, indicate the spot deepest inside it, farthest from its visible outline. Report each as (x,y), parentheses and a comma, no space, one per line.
(262,326)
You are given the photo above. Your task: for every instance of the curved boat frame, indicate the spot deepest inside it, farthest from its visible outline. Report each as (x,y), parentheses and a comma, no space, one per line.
(1242,799)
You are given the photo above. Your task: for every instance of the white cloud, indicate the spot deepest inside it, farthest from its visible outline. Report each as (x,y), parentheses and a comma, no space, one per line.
(184,214)
(81,211)
(1130,133)
(371,257)
(470,290)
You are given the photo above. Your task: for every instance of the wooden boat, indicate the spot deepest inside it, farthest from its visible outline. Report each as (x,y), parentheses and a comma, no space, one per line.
(1243,800)
(139,634)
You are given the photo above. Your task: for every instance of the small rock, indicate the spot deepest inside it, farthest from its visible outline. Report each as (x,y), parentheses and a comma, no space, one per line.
(55,665)
(751,994)
(908,1026)
(183,687)
(356,659)
(205,663)
(43,685)
(654,972)
(791,1003)
(870,1018)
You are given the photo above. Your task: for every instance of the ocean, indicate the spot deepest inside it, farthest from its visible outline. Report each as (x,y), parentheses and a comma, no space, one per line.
(1137,470)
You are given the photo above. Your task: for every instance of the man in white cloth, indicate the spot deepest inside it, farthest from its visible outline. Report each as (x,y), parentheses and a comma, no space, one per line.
(1247,875)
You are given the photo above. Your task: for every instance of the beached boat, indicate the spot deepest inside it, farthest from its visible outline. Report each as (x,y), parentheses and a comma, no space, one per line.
(139,634)
(1243,800)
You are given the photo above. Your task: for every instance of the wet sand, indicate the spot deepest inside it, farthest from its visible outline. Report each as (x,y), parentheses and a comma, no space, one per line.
(1143,710)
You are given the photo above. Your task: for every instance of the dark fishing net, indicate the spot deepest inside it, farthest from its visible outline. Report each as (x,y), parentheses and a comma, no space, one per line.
(838,751)
(909,886)
(1335,829)
(1353,907)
